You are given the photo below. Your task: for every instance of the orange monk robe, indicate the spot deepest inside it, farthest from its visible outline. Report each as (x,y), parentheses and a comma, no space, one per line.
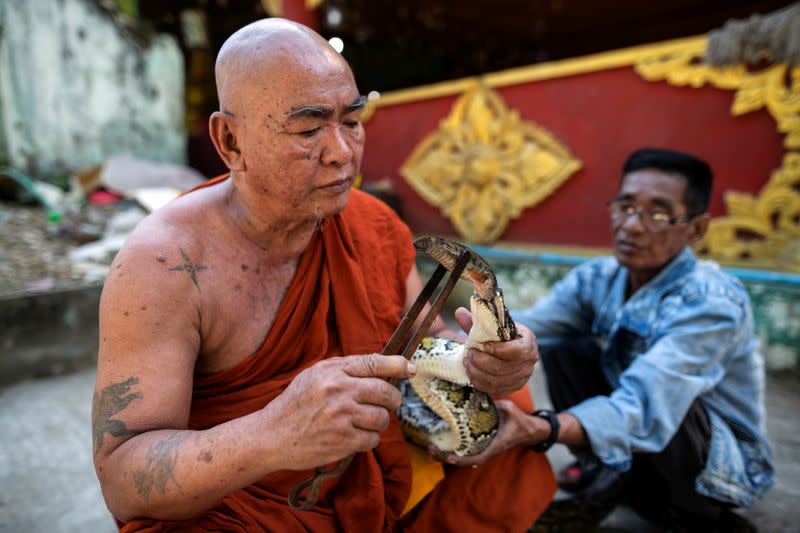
(346,298)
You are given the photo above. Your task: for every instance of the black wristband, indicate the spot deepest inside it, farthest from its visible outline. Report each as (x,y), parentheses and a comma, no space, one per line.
(546,444)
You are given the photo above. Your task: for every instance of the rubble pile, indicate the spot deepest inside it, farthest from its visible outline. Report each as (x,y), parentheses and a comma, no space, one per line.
(52,240)
(35,253)
(29,257)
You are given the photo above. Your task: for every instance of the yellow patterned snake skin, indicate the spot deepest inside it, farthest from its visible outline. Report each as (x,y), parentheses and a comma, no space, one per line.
(439,404)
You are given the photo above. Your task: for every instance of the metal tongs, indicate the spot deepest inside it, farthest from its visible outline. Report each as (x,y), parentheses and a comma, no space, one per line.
(399,339)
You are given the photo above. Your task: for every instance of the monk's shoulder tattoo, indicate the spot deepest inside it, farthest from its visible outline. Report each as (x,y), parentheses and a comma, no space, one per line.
(106,404)
(159,468)
(189,266)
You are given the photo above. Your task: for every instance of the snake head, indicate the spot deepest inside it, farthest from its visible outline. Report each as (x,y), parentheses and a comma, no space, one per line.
(446,252)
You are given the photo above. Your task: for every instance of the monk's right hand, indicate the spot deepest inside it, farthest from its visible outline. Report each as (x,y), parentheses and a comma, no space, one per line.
(336,407)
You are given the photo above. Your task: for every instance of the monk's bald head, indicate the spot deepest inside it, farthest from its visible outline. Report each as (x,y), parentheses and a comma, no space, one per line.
(267,48)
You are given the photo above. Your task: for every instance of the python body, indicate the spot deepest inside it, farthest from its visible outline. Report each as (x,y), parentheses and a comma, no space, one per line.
(439,405)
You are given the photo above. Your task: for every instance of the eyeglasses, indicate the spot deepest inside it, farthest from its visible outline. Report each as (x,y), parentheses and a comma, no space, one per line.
(654,219)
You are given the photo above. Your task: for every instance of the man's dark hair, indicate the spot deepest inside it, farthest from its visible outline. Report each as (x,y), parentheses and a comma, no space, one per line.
(699,178)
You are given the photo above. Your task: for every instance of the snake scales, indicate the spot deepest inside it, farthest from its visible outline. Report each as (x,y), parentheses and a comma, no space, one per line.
(439,404)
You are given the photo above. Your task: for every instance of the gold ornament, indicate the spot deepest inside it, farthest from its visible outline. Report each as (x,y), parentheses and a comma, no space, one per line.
(485,165)
(761,231)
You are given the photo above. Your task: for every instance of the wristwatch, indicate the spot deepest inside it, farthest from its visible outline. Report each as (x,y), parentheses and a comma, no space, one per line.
(546,444)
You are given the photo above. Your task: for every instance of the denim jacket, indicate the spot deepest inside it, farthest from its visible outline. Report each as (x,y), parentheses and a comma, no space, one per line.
(686,334)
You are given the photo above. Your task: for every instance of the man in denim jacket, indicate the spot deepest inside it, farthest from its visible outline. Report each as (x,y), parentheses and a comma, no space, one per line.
(652,364)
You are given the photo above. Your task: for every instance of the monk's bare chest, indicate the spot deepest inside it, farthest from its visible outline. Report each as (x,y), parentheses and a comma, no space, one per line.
(239,309)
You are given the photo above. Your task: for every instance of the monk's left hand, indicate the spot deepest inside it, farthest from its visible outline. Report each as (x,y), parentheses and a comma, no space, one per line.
(502,367)
(513,431)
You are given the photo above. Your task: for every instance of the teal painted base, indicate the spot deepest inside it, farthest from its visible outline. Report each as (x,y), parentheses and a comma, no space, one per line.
(525,277)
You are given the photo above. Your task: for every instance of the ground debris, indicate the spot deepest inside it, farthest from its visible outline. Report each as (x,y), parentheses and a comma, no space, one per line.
(34,251)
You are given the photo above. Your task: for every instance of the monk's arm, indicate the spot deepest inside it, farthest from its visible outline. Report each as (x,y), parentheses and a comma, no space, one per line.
(147,462)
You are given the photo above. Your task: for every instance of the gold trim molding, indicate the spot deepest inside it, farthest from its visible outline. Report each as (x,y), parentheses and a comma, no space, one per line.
(762,235)
(760,231)
(623,57)
(274,8)
(485,165)
(754,90)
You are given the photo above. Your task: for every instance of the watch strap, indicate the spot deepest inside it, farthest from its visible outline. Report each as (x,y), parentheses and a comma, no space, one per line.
(546,444)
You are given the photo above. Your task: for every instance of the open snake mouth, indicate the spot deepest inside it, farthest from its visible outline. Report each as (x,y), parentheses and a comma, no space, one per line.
(446,252)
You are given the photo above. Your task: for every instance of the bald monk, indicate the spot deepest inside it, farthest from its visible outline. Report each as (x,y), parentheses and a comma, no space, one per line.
(239,325)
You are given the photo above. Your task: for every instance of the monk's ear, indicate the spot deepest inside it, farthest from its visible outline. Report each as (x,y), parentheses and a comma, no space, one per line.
(698,227)
(224,133)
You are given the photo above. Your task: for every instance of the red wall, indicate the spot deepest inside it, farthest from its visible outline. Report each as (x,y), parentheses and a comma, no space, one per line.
(297,11)
(600,117)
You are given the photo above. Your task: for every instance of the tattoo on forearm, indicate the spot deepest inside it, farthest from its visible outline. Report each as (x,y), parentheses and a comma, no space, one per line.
(189,267)
(110,401)
(159,470)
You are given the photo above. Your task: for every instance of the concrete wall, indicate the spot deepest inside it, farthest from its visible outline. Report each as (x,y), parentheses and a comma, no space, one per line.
(48,333)
(77,87)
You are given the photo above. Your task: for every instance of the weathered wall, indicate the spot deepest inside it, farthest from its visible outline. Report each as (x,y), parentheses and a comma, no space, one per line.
(76,87)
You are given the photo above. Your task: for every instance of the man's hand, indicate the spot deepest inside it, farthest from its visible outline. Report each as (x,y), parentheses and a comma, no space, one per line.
(503,367)
(516,427)
(336,407)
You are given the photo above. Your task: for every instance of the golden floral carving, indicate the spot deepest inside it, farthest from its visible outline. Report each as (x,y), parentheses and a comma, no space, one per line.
(485,165)
(763,230)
